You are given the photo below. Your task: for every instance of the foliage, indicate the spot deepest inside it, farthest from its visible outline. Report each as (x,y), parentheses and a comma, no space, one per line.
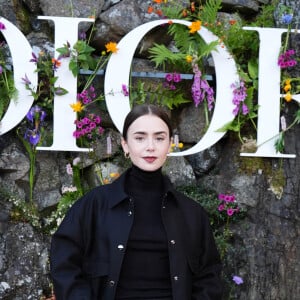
(223,211)
(7,87)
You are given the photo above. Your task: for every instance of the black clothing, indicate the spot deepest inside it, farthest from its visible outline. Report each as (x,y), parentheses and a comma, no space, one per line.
(88,248)
(145,272)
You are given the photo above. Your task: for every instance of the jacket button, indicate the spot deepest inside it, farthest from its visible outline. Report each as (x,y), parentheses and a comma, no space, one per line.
(173,242)
(111,283)
(176,278)
(130,213)
(121,247)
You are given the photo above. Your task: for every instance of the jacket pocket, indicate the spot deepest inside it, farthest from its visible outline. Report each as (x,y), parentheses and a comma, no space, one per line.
(96,273)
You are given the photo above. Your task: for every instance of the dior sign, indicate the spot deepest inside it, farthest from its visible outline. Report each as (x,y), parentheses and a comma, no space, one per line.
(118,73)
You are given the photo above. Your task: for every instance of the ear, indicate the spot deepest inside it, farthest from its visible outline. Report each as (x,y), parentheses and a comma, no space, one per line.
(124,145)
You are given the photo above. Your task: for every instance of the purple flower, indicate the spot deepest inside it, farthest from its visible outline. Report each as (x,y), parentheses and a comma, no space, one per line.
(169,77)
(26,80)
(201,89)
(1,70)
(176,77)
(239,96)
(285,59)
(237,279)
(34,58)
(36,114)
(33,136)
(125,90)
(82,35)
(2,26)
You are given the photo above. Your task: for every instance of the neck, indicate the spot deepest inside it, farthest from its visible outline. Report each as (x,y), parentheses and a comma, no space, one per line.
(141,181)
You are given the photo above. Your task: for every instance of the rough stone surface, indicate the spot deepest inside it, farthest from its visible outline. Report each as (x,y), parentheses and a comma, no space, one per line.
(266,243)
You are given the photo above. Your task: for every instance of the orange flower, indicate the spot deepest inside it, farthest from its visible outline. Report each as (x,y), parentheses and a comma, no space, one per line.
(193,6)
(232,22)
(150,9)
(77,107)
(157,1)
(184,13)
(111,47)
(170,22)
(195,26)
(159,12)
(56,63)
(288,97)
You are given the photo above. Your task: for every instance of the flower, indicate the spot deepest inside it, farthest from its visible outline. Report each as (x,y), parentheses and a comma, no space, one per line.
(125,90)
(286,18)
(69,169)
(201,88)
(36,114)
(228,204)
(189,58)
(237,279)
(195,26)
(26,81)
(239,96)
(111,47)
(288,97)
(285,59)
(32,136)
(88,126)
(77,107)
(55,64)
(2,26)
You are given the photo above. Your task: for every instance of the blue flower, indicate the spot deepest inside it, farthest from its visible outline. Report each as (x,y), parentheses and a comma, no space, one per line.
(287,18)
(237,279)
(33,136)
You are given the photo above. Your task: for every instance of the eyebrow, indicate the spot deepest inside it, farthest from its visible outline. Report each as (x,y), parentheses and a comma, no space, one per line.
(145,133)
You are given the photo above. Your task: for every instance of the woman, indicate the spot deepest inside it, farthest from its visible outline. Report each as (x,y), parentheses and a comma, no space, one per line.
(137,238)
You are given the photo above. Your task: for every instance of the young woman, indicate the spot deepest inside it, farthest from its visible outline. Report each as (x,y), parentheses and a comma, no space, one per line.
(137,238)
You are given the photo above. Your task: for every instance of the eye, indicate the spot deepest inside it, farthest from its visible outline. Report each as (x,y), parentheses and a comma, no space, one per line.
(160,138)
(139,138)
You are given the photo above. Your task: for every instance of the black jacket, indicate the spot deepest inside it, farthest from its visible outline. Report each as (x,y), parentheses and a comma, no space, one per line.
(88,248)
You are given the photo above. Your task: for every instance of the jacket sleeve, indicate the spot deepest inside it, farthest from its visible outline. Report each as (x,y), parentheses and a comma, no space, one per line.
(207,282)
(66,258)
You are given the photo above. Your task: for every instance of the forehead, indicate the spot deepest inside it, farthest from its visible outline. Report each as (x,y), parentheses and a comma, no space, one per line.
(148,124)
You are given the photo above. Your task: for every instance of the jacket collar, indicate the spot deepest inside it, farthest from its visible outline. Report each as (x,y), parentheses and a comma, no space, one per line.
(117,189)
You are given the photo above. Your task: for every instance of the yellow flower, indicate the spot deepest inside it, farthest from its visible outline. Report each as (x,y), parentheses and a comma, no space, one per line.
(195,26)
(111,47)
(189,58)
(180,145)
(113,175)
(288,97)
(77,107)
(287,87)
(287,81)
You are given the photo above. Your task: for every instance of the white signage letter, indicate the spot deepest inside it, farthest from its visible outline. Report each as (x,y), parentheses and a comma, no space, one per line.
(21,53)
(118,70)
(268,93)
(66,30)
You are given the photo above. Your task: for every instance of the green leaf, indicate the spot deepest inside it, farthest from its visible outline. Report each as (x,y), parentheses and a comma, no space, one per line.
(233,125)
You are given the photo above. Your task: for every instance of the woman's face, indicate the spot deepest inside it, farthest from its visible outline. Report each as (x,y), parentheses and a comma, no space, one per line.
(148,142)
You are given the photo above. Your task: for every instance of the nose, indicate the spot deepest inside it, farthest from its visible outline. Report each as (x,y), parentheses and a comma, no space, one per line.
(150,145)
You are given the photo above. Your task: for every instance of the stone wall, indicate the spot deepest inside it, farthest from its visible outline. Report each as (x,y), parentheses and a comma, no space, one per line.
(266,243)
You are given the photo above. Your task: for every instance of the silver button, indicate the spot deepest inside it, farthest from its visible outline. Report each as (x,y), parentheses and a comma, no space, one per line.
(111,283)
(173,242)
(121,247)
(130,213)
(176,278)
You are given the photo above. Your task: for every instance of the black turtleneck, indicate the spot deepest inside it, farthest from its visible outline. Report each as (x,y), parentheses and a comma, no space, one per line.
(145,270)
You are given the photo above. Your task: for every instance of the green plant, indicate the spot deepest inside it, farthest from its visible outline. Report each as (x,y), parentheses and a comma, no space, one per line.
(7,87)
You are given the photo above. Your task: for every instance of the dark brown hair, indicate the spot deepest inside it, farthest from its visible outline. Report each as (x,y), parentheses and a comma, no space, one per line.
(146,109)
